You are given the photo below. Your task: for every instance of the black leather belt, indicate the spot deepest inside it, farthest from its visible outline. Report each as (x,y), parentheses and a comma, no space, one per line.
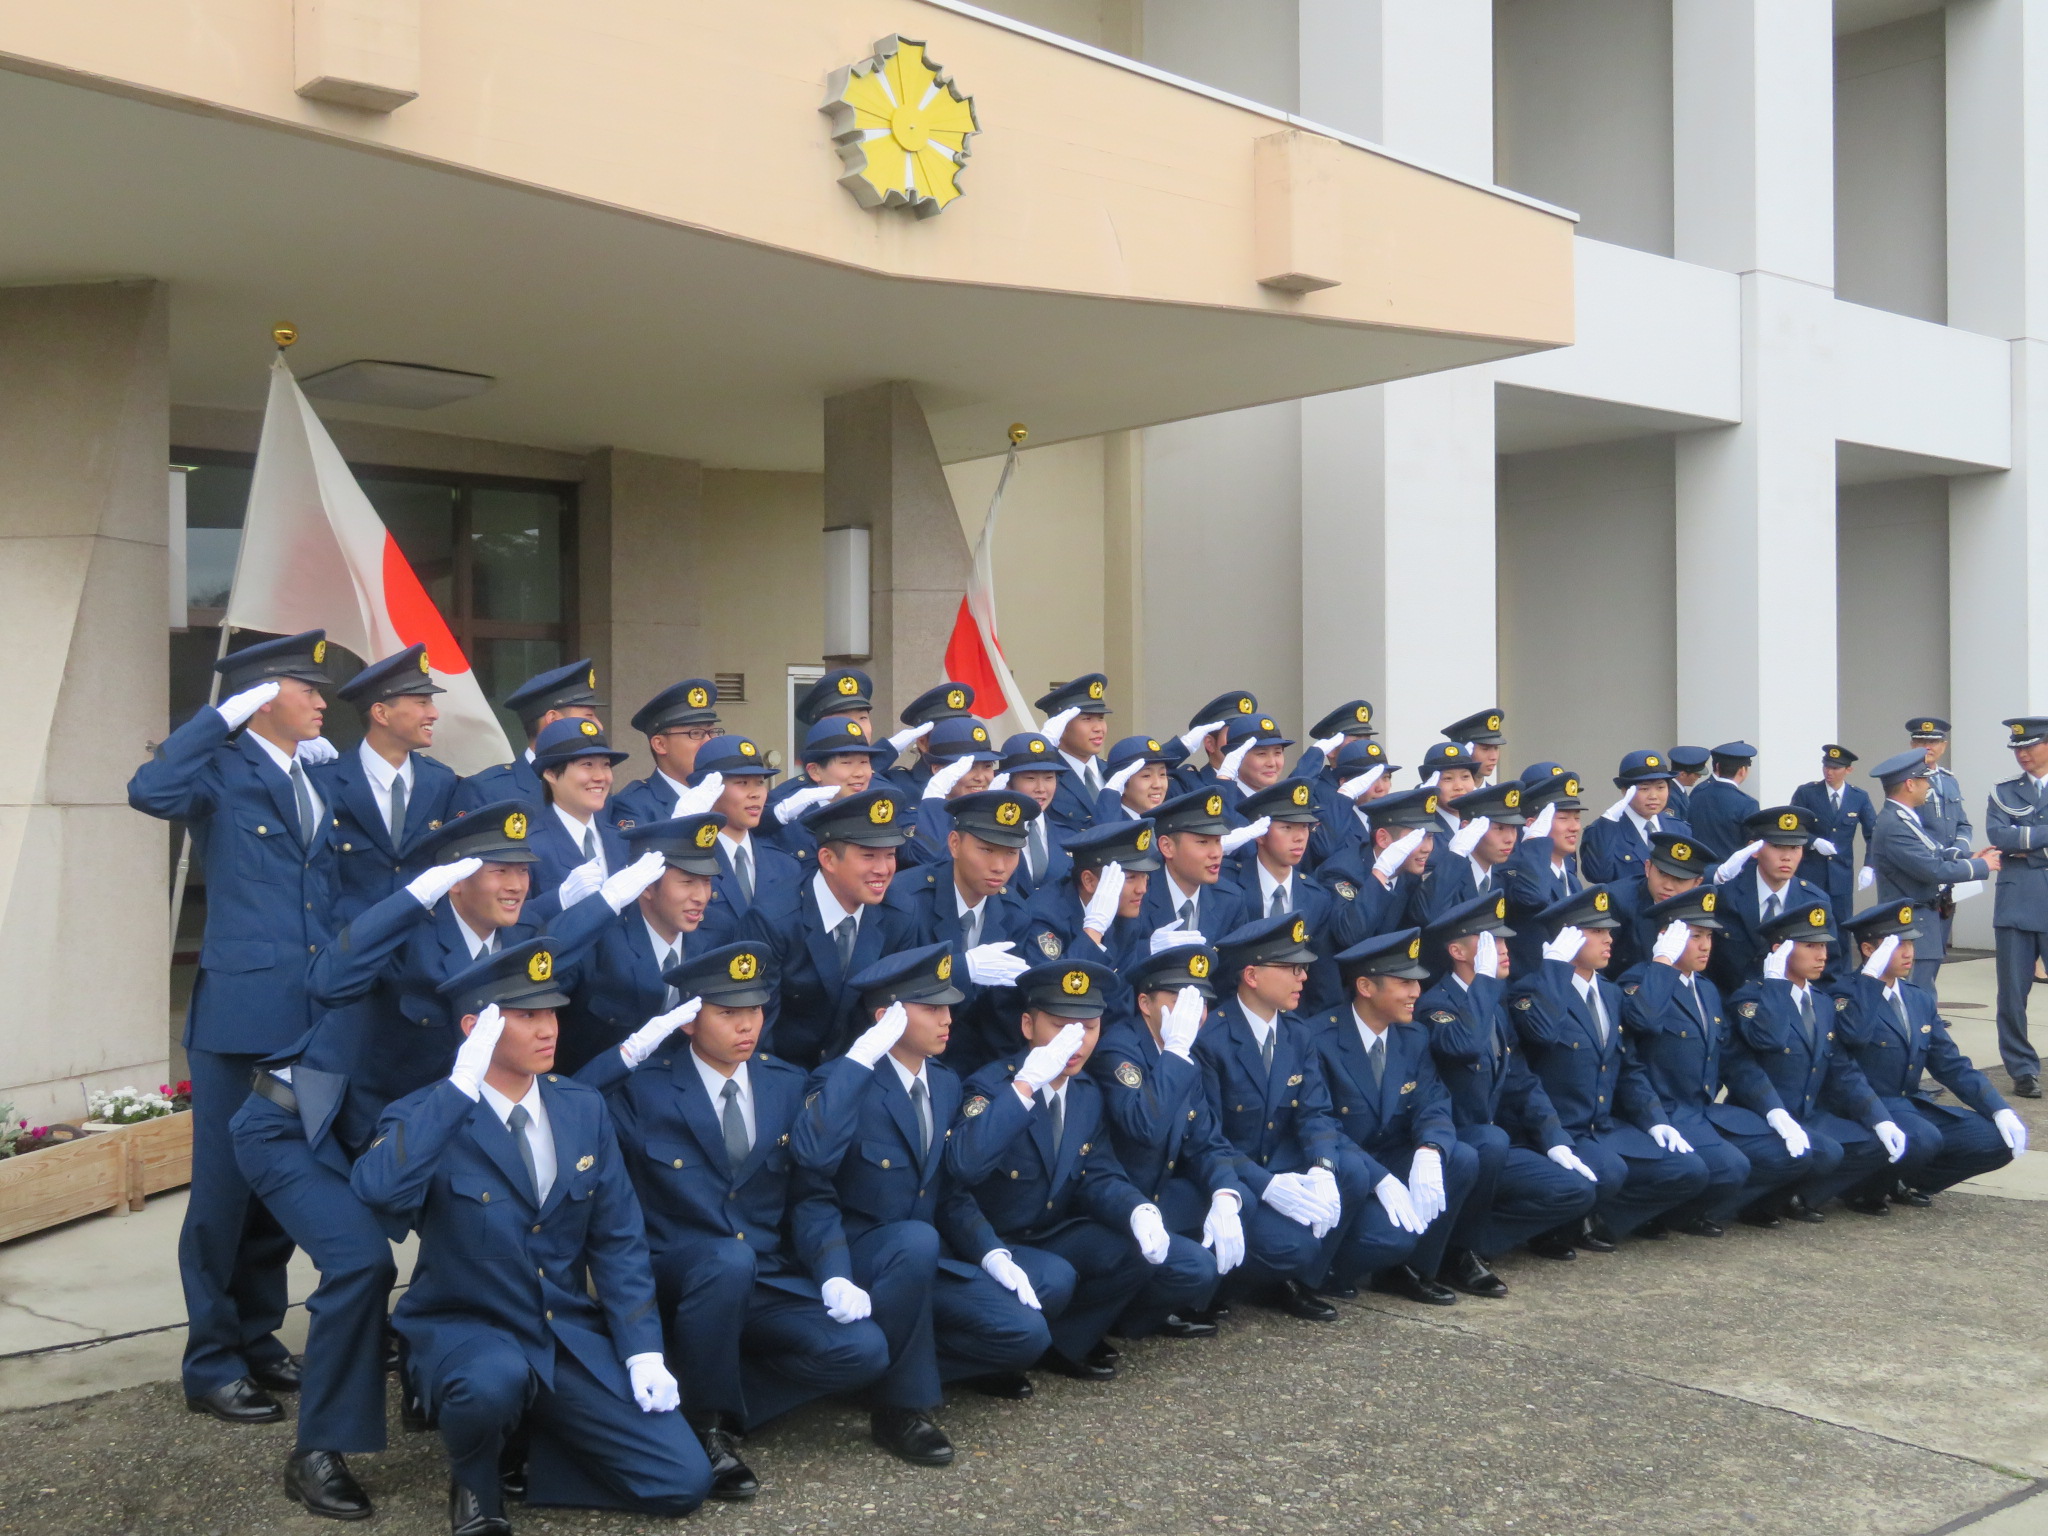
(275,1089)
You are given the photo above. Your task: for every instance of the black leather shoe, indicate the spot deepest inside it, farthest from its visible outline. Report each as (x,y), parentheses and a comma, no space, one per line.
(1758,1213)
(1343,1290)
(1466,1271)
(731,1478)
(2028,1087)
(1868,1205)
(1796,1209)
(1402,1280)
(1012,1386)
(466,1515)
(512,1473)
(1178,1327)
(1653,1230)
(1551,1245)
(1297,1300)
(1104,1353)
(1904,1194)
(1699,1226)
(278,1376)
(322,1482)
(241,1401)
(1080,1370)
(1597,1237)
(911,1434)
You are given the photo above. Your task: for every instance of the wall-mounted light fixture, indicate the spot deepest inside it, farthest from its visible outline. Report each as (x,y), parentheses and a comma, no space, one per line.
(846,595)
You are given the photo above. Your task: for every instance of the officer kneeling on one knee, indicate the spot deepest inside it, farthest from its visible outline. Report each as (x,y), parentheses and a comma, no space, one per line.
(1034,1150)
(530,1298)
(877,1121)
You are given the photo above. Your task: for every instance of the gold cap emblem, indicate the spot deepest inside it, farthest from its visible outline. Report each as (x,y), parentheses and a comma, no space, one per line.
(707,835)
(1500,908)
(1144,839)
(541,966)
(748,749)
(1682,852)
(588,727)
(1453,751)
(1926,725)
(423,663)
(1075,983)
(955,699)
(319,652)
(1095,690)
(1429,806)
(882,812)
(1213,805)
(515,825)
(1150,745)
(1789,822)
(1267,725)
(853,729)
(1650,761)
(1363,714)
(1493,722)
(1905,917)
(591,679)
(1299,932)
(1414,949)
(1571,787)
(847,687)
(744,967)
(1708,901)
(1512,798)
(698,698)
(1009,813)
(1599,901)
(1244,705)
(1817,918)
(1038,743)
(980,734)
(1198,966)
(1300,795)
(945,969)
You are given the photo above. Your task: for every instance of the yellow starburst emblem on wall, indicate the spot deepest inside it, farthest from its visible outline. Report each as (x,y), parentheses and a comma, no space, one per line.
(901,127)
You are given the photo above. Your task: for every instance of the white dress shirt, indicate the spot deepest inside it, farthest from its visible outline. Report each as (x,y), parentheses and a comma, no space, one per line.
(1181,896)
(1764,893)
(714,1084)
(382,775)
(1589,993)
(1085,770)
(1369,1037)
(479,944)
(284,761)
(830,912)
(1263,1027)
(1644,825)
(976,913)
(1268,884)
(673,787)
(578,828)
(538,1136)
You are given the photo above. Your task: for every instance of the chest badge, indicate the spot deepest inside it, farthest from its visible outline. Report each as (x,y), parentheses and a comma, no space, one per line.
(1295,1081)
(585,1163)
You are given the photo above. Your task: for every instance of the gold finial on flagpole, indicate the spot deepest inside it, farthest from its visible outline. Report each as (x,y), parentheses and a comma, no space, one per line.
(1018,432)
(284,335)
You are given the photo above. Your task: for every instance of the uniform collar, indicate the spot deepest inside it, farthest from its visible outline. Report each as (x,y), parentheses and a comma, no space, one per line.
(381,773)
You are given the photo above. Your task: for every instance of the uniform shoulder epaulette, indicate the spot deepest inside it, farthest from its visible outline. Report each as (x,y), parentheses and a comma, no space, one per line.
(1747,1010)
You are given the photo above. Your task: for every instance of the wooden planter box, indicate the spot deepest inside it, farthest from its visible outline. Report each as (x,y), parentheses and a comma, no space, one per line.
(115,1169)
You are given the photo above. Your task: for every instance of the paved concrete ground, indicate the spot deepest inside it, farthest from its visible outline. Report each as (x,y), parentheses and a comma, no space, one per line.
(1866,1376)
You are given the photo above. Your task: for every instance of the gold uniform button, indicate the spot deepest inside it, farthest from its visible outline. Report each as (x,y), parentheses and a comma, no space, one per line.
(741,1236)
(542,1271)
(536,1226)
(1013,1173)
(677,1163)
(262,831)
(550,1314)
(885,1162)
(487,1197)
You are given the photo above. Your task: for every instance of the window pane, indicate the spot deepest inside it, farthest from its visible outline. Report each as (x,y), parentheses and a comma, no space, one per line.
(215,498)
(502,665)
(421,517)
(516,544)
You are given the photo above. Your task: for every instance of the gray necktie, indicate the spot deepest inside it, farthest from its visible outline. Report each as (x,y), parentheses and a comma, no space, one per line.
(674,959)
(1482,884)
(1599,1009)
(1806,1019)
(1376,1057)
(589,843)
(1093,776)
(734,1125)
(843,936)
(743,874)
(1773,905)
(1034,851)
(1266,1046)
(1187,916)
(970,929)
(1898,1002)
(516,1123)
(397,810)
(1056,1106)
(1279,903)
(922,1103)
(303,794)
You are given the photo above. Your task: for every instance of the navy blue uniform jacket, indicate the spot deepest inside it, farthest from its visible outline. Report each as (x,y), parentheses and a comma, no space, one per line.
(1597,1089)
(367,867)
(1476,1057)
(1027,1191)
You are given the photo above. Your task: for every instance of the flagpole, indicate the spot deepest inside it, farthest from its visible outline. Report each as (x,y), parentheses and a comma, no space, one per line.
(284,336)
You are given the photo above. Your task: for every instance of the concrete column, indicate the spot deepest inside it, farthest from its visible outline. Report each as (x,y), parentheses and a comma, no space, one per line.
(1753,193)
(882,473)
(1397,482)
(1998,523)
(84,440)
(640,547)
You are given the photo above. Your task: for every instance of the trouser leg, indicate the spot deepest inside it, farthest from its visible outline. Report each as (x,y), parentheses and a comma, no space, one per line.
(704,1290)
(793,1352)
(897,1265)
(1183,1284)
(1490,1146)
(480,1393)
(1970,1146)
(1108,1272)
(646,1462)
(1533,1196)
(2018,949)
(1728,1173)
(980,1328)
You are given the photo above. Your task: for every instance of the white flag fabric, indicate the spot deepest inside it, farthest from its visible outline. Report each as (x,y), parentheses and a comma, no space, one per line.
(315,555)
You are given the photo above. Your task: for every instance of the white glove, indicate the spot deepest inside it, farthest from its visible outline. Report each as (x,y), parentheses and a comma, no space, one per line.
(1223,1231)
(1397,853)
(1295,1198)
(1109,894)
(1354,789)
(1149,1228)
(879,1038)
(1426,1185)
(640,1044)
(1540,827)
(1667,1137)
(1732,865)
(622,887)
(1056,727)
(1400,1209)
(1230,765)
(580,882)
(654,1389)
(1048,1061)
(1671,943)
(1324,1183)
(315,751)
(790,807)
(992,965)
(2013,1129)
(901,741)
(1790,1131)
(237,710)
(1613,812)
(1486,956)
(845,1302)
(1430,782)
(473,1056)
(430,886)
(1866,877)
(1329,744)
(1566,1158)
(700,797)
(1181,1023)
(1001,780)
(1823,847)
(1124,775)
(1173,936)
(1566,945)
(1466,838)
(942,780)
(1893,1138)
(1251,832)
(1881,957)
(1776,961)
(1191,743)
(1005,1271)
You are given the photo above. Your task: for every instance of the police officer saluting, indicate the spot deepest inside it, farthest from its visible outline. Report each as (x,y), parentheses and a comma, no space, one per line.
(1077,719)
(387,794)
(838,761)
(676,722)
(1759,884)
(570,832)
(1033,767)
(948,701)
(1194,837)
(264,831)
(750,870)
(1481,732)
(1616,845)
(1913,865)
(561,693)
(2016,821)
(1839,810)
(843,696)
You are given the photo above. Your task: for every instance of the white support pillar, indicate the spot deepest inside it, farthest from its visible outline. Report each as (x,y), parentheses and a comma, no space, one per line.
(1753,193)
(1998,523)
(1397,482)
